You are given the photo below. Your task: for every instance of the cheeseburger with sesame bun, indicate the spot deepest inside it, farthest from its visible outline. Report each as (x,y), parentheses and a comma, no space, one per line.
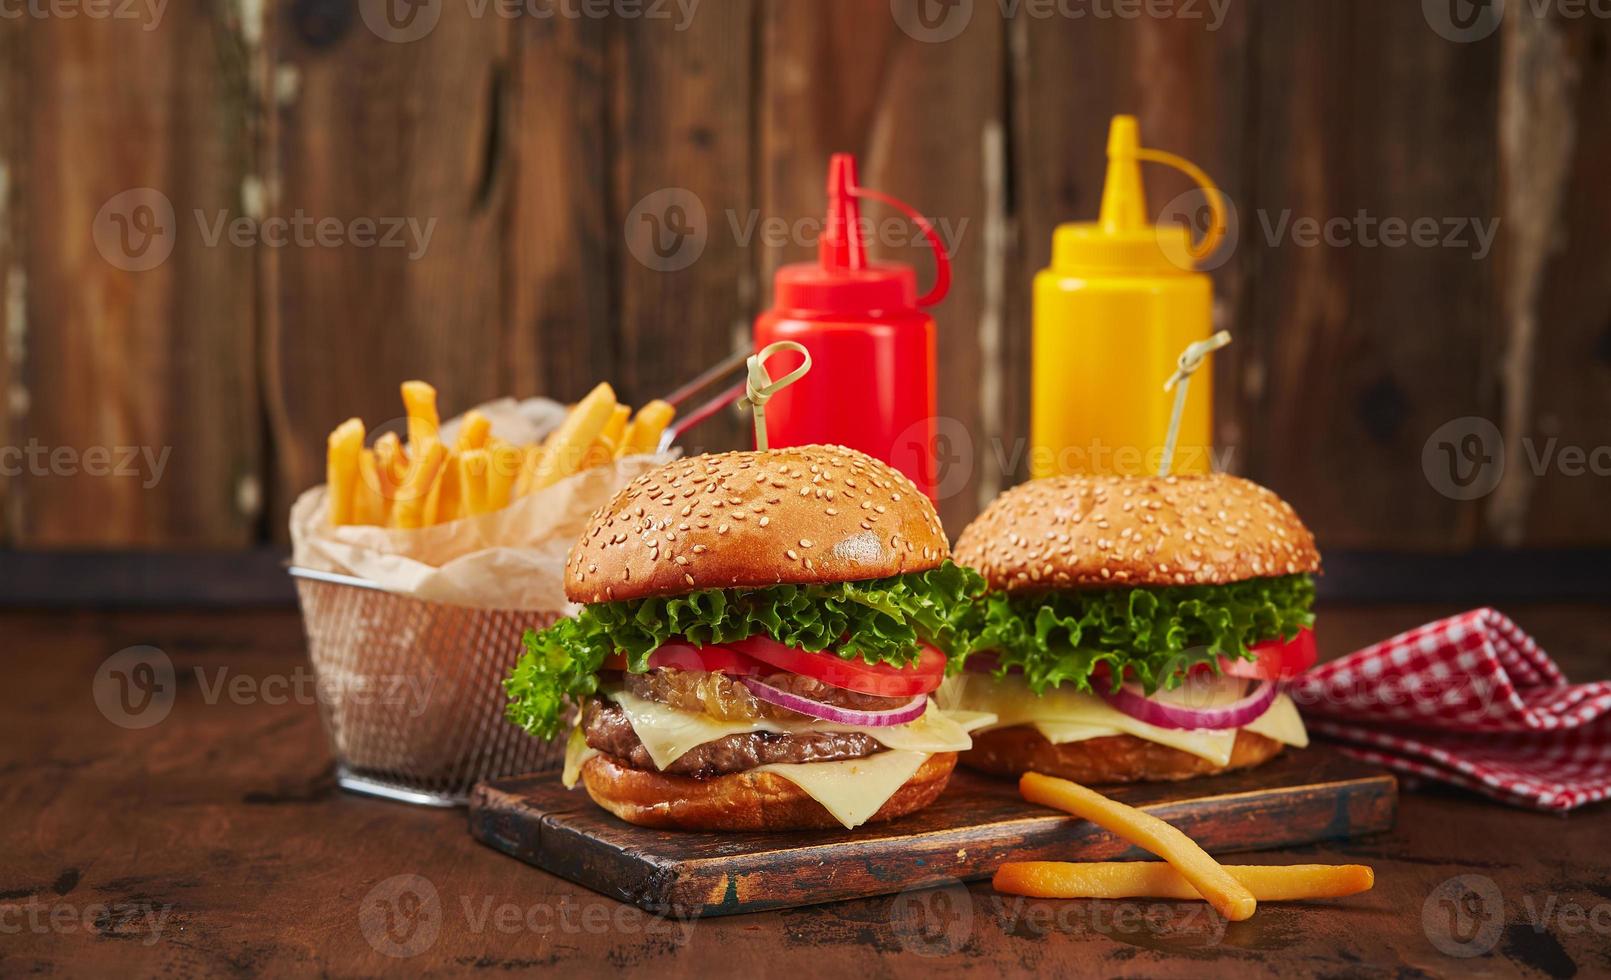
(760,636)
(1135,628)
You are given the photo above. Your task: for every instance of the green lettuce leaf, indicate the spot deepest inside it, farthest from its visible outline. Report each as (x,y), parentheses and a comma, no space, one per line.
(1151,635)
(880,621)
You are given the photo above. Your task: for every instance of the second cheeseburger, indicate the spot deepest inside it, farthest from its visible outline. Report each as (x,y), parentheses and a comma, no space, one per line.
(760,635)
(1136,627)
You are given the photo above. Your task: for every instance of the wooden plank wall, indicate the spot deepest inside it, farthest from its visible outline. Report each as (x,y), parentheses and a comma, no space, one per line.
(540,151)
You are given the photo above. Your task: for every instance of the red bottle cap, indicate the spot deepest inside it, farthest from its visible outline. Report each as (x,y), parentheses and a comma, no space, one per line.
(842,280)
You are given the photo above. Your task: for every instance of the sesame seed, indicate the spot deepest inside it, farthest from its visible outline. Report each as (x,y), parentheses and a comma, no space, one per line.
(793,555)
(805,542)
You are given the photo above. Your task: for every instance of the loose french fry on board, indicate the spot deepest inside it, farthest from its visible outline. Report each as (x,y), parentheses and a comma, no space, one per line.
(419,400)
(342,450)
(1228,896)
(473,431)
(409,510)
(570,442)
(1159,879)
(644,432)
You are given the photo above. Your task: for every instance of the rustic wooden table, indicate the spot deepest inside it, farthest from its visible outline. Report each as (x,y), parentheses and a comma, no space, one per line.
(215,841)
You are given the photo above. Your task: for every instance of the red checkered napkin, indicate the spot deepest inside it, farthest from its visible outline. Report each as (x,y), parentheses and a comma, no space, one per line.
(1469,700)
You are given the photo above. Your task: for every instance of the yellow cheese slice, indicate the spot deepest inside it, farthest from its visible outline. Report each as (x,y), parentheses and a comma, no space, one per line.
(667,733)
(852,790)
(1063,715)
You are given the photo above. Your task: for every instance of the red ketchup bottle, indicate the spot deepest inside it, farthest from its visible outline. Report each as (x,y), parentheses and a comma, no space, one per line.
(872,383)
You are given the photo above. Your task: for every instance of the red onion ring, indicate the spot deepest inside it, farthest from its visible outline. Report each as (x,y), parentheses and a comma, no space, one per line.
(910,711)
(1165,715)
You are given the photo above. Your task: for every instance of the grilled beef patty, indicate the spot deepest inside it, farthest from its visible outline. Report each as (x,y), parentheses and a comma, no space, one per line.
(606,728)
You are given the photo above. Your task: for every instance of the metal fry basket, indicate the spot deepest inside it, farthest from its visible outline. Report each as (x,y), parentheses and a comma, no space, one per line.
(411,690)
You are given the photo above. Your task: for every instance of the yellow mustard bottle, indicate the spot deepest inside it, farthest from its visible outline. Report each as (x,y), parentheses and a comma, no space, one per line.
(1120,302)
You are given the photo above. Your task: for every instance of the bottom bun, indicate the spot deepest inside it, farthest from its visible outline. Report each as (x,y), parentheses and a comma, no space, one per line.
(1109,759)
(740,801)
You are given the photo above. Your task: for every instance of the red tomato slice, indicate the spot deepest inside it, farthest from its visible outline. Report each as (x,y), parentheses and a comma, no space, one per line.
(884,680)
(686,656)
(1277,659)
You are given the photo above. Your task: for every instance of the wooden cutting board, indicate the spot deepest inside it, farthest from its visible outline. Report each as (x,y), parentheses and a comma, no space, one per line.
(976,825)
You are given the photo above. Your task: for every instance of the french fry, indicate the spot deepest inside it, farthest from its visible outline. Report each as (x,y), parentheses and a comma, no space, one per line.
(600,453)
(443,502)
(1228,896)
(393,463)
(409,510)
(369,500)
(1158,879)
(528,469)
(643,434)
(473,431)
(342,450)
(419,399)
(570,441)
(473,466)
(617,426)
(502,471)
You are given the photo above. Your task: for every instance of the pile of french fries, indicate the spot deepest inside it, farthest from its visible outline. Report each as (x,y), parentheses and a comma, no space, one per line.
(425,482)
(1186,872)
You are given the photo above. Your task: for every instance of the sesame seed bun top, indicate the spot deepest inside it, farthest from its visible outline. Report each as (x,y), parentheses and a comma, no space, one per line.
(744,520)
(1111,531)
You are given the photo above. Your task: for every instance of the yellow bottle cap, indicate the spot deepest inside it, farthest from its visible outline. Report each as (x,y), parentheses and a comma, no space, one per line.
(1124,240)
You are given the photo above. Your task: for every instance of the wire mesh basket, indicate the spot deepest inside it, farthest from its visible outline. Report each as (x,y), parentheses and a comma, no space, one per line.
(411,690)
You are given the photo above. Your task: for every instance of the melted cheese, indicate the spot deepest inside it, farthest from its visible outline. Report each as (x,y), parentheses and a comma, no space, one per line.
(668,733)
(852,790)
(577,752)
(1063,715)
